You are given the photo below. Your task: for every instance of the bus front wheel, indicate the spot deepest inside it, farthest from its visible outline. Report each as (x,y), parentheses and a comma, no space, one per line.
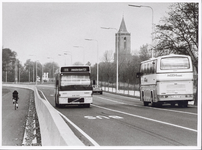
(183,104)
(144,103)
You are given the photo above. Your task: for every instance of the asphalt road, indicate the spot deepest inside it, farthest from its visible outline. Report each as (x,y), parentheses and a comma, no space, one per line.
(114,120)
(13,121)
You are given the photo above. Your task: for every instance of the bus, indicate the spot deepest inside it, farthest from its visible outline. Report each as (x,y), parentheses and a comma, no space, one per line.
(166,79)
(73,86)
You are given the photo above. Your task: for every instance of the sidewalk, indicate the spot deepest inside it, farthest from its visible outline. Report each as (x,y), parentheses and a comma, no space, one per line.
(14,121)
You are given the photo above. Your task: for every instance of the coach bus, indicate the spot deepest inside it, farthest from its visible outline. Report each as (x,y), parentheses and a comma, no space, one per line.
(166,79)
(73,86)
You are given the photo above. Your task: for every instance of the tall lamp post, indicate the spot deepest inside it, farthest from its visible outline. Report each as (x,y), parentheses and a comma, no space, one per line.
(139,6)
(53,64)
(83,52)
(97,58)
(117,56)
(36,72)
(33,68)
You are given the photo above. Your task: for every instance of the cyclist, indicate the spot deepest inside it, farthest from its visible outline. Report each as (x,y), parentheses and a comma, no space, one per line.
(15,98)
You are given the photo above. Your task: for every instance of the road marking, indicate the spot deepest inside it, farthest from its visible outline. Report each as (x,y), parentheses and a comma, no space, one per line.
(81,131)
(103,117)
(162,122)
(75,126)
(177,111)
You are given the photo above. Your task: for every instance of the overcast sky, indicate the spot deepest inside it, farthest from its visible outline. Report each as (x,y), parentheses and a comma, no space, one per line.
(48,29)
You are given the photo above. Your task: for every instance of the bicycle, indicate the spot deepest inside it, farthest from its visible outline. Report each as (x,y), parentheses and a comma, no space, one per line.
(15,103)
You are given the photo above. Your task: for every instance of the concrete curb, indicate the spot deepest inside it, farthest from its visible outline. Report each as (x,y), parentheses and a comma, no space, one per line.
(54,130)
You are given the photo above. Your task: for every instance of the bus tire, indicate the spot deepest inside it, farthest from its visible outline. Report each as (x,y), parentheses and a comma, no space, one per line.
(145,103)
(185,103)
(87,105)
(180,104)
(172,104)
(152,102)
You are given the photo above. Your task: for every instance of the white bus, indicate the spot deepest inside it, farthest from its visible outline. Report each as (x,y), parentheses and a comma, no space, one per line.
(73,86)
(166,79)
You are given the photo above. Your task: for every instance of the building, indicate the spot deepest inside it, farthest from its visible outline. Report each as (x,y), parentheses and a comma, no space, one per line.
(123,44)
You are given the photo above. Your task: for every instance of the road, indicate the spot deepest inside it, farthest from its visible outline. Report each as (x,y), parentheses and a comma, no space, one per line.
(114,120)
(13,121)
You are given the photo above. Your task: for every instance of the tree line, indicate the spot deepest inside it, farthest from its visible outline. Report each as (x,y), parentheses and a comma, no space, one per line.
(177,33)
(14,71)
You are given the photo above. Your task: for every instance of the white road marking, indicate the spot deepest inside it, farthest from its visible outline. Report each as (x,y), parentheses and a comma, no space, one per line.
(103,117)
(162,122)
(81,131)
(75,126)
(190,113)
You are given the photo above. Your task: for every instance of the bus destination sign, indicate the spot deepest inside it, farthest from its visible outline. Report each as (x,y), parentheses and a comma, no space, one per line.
(75,69)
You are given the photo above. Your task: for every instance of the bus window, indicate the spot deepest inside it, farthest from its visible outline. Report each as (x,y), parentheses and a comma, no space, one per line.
(174,63)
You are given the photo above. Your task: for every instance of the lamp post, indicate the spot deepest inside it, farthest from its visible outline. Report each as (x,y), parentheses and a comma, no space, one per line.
(33,68)
(117,56)
(36,72)
(97,58)
(139,6)
(53,64)
(83,52)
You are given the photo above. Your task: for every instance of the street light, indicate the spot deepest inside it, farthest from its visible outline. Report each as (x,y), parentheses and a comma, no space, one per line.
(33,68)
(117,56)
(97,58)
(139,6)
(53,64)
(83,52)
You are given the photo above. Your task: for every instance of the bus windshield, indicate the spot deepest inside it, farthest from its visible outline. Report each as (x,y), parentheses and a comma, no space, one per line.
(174,63)
(75,82)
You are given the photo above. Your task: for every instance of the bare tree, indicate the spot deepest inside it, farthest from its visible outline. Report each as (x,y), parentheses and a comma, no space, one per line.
(144,53)
(178,33)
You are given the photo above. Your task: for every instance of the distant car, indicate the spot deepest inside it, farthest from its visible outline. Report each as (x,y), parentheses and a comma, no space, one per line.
(97,89)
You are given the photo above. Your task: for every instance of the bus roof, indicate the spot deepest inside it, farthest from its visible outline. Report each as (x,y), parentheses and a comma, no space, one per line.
(175,55)
(75,66)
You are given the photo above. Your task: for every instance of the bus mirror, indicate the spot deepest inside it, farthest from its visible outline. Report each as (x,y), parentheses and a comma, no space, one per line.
(139,74)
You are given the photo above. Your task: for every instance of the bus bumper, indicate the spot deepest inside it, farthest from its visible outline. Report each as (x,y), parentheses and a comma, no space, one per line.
(182,97)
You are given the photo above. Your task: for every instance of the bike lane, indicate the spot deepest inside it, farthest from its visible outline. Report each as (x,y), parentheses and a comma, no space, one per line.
(13,121)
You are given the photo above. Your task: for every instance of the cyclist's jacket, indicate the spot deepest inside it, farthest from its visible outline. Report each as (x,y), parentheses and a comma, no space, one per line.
(15,94)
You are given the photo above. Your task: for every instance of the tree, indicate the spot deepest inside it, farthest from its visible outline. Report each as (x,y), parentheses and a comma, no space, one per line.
(144,53)
(108,56)
(50,67)
(178,32)
(8,64)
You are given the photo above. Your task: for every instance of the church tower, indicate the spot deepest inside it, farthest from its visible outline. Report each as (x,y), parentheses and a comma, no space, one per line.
(123,44)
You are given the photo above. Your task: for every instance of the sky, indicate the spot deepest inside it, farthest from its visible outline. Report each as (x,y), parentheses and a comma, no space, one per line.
(44,31)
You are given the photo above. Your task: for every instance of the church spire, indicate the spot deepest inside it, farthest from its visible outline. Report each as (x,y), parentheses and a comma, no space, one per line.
(122,28)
